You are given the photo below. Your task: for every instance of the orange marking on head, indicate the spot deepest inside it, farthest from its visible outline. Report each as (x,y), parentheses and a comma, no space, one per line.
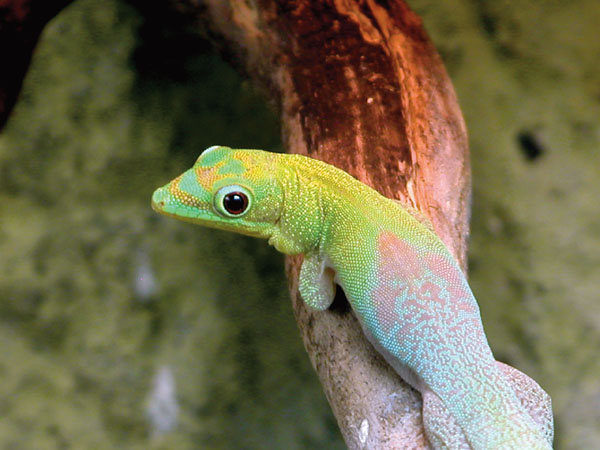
(207,176)
(183,196)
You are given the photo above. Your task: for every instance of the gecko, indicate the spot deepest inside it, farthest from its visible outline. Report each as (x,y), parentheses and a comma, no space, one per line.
(410,296)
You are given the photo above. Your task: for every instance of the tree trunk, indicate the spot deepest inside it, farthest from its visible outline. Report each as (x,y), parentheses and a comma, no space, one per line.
(360,86)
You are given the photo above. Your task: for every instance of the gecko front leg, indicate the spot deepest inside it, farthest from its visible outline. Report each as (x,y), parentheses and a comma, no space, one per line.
(316,282)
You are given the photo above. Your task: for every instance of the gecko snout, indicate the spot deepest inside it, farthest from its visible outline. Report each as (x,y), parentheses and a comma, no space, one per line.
(158,199)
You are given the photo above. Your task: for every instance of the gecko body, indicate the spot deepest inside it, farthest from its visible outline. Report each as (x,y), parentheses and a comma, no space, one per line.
(407,291)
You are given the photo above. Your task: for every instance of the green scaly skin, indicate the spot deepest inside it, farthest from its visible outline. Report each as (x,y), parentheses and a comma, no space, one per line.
(410,296)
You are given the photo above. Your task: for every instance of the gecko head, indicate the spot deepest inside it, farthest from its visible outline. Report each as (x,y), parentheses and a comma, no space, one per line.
(233,190)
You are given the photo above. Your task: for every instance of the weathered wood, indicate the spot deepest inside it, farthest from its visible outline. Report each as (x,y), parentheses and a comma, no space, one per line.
(360,86)
(21,22)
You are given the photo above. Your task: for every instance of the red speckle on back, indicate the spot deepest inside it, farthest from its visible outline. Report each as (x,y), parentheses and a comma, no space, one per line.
(414,288)
(442,266)
(397,257)
(398,263)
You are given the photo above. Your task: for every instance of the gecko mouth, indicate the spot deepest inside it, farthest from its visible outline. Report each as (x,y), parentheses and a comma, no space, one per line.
(164,203)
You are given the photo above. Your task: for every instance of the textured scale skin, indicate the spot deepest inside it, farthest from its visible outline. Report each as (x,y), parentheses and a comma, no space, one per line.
(410,296)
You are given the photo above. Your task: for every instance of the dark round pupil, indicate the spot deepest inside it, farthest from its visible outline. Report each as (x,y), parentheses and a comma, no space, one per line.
(235,202)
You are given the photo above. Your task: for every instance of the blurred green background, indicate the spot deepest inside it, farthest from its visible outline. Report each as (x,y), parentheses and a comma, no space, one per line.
(122,329)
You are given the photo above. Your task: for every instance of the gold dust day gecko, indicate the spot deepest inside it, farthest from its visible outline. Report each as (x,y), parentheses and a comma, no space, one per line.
(408,293)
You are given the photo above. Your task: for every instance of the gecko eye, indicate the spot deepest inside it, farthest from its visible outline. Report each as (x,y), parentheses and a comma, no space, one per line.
(232,201)
(235,202)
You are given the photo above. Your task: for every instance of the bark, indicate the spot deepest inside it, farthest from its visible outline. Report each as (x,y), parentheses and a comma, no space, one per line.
(360,86)
(21,23)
